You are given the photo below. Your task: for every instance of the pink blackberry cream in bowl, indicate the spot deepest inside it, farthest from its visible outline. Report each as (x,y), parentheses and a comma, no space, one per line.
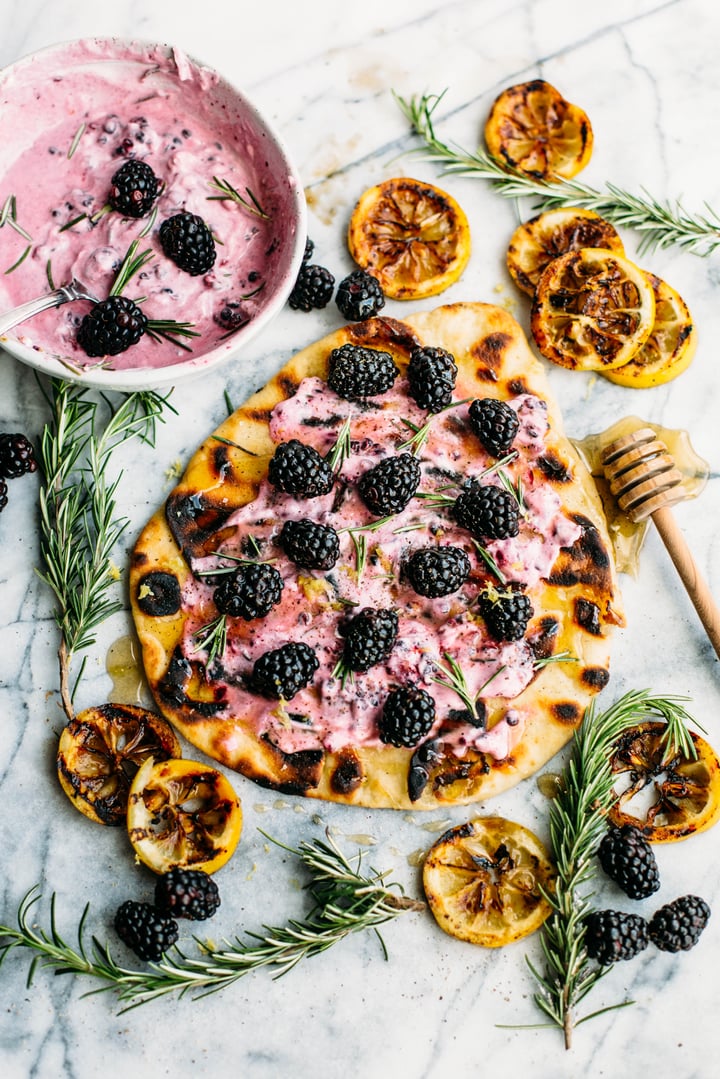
(147,177)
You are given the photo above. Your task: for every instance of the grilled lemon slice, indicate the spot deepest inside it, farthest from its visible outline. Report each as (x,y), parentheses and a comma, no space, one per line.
(670,348)
(533,129)
(413,237)
(182,814)
(551,234)
(593,310)
(484,881)
(100,752)
(666,800)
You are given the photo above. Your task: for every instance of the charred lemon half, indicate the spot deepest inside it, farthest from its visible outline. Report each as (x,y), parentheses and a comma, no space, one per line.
(486,881)
(666,799)
(100,752)
(551,234)
(182,814)
(670,348)
(533,129)
(593,310)
(411,236)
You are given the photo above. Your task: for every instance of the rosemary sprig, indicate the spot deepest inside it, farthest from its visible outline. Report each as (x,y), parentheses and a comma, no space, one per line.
(212,638)
(229,193)
(453,677)
(438,497)
(168,330)
(660,224)
(345,902)
(514,488)
(341,448)
(577,824)
(421,433)
(490,562)
(78,525)
(131,264)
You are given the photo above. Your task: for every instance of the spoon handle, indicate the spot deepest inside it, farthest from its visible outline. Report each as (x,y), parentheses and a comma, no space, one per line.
(72,291)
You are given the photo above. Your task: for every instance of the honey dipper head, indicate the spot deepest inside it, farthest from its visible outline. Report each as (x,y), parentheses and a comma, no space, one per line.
(642,474)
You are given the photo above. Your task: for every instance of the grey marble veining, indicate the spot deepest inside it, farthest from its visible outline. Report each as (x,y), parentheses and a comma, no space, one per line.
(647,74)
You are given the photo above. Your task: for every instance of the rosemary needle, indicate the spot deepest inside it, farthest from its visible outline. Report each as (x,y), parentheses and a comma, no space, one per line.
(660,224)
(345,902)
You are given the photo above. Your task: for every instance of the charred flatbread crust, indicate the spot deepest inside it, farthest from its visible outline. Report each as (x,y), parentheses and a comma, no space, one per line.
(578,609)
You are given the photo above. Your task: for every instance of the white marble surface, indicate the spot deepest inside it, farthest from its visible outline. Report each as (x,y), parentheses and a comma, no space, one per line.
(647,74)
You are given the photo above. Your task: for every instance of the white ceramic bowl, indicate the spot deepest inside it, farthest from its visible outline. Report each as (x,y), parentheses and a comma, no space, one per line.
(70,115)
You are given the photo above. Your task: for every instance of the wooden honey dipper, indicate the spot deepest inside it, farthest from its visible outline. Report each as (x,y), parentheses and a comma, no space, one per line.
(643,477)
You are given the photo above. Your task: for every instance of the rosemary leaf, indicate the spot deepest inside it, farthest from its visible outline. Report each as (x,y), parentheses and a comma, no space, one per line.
(660,224)
(229,193)
(344,902)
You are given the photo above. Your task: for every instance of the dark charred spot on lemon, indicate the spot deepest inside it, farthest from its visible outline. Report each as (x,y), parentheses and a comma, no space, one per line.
(158,594)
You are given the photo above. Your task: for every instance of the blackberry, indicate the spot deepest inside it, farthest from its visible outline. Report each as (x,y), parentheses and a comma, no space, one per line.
(677,926)
(309,248)
(186,239)
(134,189)
(251,592)
(17,456)
(187,893)
(300,470)
(355,372)
(111,327)
(369,638)
(495,423)
(284,671)
(389,486)
(506,614)
(313,288)
(3,495)
(431,374)
(407,716)
(612,935)
(146,930)
(310,545)
(359,296)
(487,512)
(437,571)
(232,316)
(629,860)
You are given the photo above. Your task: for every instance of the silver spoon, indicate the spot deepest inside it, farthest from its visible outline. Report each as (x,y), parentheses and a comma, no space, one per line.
(75,290)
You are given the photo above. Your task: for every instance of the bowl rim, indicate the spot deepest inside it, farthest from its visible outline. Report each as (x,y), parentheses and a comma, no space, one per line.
(150,378)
